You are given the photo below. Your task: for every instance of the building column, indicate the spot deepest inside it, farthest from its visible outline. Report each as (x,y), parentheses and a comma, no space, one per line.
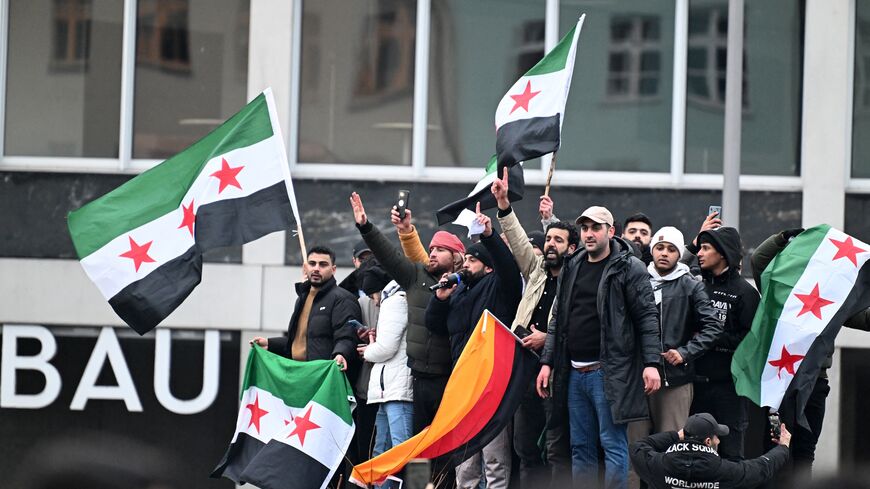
(826,110)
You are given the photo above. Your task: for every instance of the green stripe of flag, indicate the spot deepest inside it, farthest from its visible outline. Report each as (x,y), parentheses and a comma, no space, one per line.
(777,284)
(296,383)
(492,165)
(555,59)
(160,190)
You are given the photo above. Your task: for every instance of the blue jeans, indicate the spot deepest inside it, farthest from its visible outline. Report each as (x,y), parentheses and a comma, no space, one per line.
(590,422)
(394,424)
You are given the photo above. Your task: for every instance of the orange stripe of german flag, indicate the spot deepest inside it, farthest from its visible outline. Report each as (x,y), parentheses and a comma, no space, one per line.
(482,394)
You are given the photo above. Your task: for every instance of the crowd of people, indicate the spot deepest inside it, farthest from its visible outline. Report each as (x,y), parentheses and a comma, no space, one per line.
(635,331)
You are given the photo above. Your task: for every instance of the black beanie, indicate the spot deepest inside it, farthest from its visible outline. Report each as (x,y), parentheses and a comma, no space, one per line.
(479,251)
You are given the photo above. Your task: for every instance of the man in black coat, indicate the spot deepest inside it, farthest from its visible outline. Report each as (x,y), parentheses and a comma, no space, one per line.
(603,348)
(735,301)
(490,280)
(690,458)
(319,328)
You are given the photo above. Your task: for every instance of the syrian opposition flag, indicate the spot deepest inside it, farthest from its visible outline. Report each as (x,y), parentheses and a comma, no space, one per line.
(809,290)
(528,120)
(456,211)
(294,423)
(142,243)
(482,394)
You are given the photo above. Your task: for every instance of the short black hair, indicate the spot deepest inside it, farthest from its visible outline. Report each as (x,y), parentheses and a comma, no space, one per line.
(639,217)
(322,250)
(573,236)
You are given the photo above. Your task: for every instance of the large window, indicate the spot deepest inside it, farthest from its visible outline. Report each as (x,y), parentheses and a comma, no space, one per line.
(357,83)
(619,111)
(191,71)
(464,86)
(64,75)
(861,98)
(63,81)
(772,68)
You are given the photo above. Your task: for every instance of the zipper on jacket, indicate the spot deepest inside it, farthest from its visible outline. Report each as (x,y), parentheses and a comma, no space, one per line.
(662,337)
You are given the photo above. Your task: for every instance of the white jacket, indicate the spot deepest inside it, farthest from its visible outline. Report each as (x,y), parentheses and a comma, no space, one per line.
(391,377)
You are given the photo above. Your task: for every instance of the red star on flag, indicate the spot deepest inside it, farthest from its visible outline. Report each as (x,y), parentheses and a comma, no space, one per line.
(137,253)
(786,361)
(256,413)
(303,426)
(813,302)
(847,249)
(522,100)
(189,217)
(227,175)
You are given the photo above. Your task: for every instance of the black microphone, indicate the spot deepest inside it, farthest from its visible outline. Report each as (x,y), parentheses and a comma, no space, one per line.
(452,279)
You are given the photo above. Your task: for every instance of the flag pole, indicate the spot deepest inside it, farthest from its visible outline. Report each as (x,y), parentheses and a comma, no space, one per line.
(301,242)
(550,174)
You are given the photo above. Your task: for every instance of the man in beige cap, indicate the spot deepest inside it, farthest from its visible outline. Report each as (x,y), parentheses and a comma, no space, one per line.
(603,349)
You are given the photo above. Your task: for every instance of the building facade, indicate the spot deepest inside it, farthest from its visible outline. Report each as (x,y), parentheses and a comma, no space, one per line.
(375,96)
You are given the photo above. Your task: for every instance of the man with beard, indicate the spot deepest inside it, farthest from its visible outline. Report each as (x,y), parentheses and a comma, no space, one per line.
(490,280)
(688,326)
(603,349)
(540,271)
(638,229)
(319,327)
(428,353)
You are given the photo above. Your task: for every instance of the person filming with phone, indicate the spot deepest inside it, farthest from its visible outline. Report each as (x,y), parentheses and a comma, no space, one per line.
(689,458)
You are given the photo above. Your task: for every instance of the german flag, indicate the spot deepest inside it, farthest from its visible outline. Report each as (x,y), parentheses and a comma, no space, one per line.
(482,394)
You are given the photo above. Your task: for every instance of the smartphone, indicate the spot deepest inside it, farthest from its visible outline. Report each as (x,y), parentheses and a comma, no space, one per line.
(775,423)
(717,209)
(402,202)
(357,326)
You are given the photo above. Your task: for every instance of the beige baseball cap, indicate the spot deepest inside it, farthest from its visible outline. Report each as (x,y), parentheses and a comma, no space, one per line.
(598,214)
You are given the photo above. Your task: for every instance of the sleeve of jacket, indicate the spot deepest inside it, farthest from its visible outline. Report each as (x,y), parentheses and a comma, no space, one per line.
(745,313)
(642,308)
(764,254)
(754,472)
(518,240)
(436,315)
(859,321)
(506,267)
(392,321)
(397,265)
(545,223)
(343,335)
(550,342)
(413,247)
(278,345)
(710,329)
(643,451)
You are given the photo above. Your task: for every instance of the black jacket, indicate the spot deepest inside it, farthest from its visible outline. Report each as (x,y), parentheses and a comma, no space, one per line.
(499,291)
(665,462)
(329,333)
(428,353)
(735,302)
(629,332)
(689,324)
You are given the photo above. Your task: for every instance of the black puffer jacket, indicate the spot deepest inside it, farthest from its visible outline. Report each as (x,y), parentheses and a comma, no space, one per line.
(665,462)
(329,333)
(735,302)
(499,291)
(428,353)
(629,332)
(688,322)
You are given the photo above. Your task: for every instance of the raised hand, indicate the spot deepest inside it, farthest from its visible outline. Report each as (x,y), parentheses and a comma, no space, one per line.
(485,220)
(499,190)
(359,212)
(402,225)
(546,207)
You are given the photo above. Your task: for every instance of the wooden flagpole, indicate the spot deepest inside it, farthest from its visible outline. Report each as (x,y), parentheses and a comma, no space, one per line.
(550,175)
(301,242)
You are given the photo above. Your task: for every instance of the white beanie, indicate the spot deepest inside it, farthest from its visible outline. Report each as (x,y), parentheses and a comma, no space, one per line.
(669,234)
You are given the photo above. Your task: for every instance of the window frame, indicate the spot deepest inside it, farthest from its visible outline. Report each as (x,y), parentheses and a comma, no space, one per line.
(675,178)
